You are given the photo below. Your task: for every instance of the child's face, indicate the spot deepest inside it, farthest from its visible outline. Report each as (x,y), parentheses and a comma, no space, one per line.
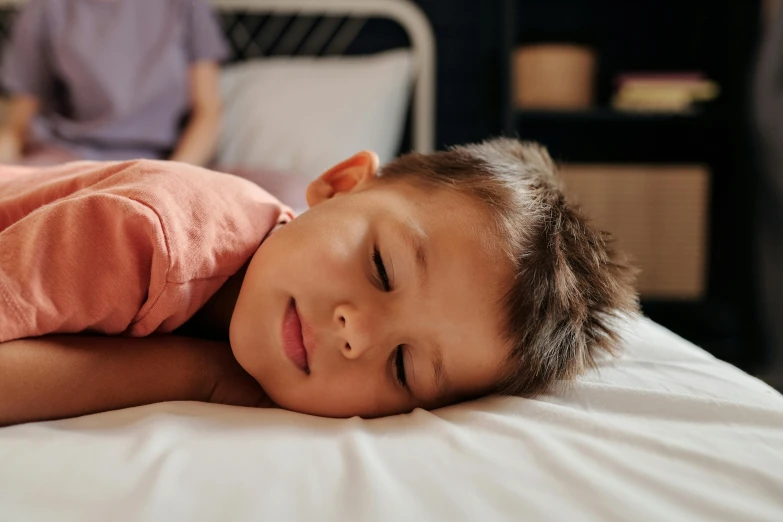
(319,328)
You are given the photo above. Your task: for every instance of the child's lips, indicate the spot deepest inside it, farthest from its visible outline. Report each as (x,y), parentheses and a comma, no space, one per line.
(293,340)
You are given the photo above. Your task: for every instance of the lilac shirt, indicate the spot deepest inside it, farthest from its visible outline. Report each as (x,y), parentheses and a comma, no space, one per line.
(111,75)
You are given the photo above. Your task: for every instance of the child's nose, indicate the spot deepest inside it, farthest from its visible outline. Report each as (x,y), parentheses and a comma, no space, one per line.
(358,331)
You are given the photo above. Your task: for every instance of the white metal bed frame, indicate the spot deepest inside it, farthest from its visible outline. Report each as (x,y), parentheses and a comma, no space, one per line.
(329,36)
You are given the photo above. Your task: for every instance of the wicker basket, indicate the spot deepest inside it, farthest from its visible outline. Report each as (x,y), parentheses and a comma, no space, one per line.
(554,76)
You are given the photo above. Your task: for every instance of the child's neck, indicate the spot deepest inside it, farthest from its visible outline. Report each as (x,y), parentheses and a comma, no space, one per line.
(213,320)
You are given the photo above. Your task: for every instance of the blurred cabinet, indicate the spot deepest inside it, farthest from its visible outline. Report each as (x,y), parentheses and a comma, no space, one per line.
(658,215)
(676,188)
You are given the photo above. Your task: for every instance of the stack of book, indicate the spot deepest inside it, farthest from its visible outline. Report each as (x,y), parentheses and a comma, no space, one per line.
(662,92)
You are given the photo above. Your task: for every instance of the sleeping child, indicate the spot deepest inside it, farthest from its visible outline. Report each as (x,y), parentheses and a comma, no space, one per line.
(435,279)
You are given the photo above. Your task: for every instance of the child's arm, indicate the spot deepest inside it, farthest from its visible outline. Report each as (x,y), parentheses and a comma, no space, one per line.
(66,376)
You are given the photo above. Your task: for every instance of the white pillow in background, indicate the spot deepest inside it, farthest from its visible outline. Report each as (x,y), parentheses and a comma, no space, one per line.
(303,115)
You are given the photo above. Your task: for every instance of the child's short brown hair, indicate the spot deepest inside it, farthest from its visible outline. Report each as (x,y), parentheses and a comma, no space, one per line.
(570,283)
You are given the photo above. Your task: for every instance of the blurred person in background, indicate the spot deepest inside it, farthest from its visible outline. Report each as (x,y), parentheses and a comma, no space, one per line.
(112,80)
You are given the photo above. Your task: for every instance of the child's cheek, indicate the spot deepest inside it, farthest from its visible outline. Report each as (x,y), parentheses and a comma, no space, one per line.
(338,254)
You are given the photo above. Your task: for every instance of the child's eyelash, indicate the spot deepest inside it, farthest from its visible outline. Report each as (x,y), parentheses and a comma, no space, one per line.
(399,364)
(380,269)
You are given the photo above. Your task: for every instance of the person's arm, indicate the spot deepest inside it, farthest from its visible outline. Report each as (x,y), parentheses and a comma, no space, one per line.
(197,142)
(55,377)
(21,112)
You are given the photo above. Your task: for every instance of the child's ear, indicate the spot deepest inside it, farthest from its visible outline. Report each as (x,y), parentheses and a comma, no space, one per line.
(343,177)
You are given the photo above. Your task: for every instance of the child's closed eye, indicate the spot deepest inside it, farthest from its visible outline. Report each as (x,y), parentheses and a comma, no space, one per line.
(380,270)
(399,364)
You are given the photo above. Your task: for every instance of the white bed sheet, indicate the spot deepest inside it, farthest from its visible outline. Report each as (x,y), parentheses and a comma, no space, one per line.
(664,433)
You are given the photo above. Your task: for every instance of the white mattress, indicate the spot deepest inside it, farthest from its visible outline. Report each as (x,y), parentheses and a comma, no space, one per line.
(664,433)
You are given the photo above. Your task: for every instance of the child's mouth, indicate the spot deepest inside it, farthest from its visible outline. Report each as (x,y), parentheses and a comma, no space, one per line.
(293,343)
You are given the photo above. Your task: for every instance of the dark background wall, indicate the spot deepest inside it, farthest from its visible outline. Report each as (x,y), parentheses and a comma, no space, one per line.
(469,68)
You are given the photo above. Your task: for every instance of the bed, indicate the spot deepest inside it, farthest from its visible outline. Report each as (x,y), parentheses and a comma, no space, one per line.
(664,432)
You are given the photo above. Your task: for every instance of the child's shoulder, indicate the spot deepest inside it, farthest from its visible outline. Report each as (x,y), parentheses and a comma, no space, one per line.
(151,182)
(154,183)
(146,242)
(180,178)
(187,206)
(194,202)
